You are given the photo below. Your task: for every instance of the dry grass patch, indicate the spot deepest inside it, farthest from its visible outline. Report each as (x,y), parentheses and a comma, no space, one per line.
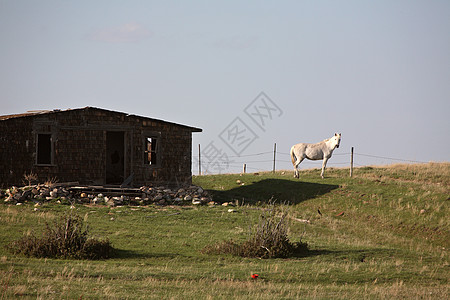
(434,174)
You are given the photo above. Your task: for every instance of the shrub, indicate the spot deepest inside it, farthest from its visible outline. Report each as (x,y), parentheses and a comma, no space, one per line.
(29,178)
(65,238)
(269,240)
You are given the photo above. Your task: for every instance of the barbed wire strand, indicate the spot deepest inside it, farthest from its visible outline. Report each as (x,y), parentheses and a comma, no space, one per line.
(224,165)
(335,154)
(234,164)
(390,158)
(288,154)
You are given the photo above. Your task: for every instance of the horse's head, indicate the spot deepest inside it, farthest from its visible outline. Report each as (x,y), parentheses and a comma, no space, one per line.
(337,139)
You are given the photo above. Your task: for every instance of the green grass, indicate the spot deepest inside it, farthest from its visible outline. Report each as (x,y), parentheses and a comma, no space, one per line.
(382,234)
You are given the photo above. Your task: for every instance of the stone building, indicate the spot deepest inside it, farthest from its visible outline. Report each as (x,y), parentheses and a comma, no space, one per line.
(94,146)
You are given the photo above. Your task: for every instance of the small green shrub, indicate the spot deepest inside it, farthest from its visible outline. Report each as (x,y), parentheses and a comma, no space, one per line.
(269,240)
(65,238)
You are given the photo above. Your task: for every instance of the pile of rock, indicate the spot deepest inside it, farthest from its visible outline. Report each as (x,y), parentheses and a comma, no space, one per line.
(161,195)
(189,195)
(16,195)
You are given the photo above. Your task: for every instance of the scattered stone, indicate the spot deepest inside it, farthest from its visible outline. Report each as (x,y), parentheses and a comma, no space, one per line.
(25,195)
(302,220)
(45,192)
(110,202)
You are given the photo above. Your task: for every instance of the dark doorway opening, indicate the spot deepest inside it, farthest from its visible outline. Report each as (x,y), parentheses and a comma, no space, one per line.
(44,149)
(115,157)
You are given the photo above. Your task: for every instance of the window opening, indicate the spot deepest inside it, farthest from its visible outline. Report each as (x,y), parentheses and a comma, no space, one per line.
(150,155)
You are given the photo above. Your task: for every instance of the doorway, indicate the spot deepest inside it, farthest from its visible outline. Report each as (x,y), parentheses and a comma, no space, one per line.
(115,157)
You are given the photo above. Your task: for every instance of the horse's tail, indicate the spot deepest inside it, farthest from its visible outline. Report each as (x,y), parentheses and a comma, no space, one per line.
(293,158)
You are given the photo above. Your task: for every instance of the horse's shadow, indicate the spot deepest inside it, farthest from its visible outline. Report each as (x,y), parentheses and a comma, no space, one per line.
(279,190)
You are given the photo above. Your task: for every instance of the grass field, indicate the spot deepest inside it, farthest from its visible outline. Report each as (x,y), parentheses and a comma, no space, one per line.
(382,234)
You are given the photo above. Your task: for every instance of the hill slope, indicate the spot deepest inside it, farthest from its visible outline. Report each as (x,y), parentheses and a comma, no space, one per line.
(382,234)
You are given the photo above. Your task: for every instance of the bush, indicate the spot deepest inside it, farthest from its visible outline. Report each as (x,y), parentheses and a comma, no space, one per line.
(269,240)
(65,238)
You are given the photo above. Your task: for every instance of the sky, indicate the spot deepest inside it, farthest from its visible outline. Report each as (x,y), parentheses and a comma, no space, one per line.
(249,73)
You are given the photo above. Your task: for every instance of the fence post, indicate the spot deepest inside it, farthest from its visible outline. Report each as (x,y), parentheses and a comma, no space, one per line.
(244,168)
(351,164)
(199,162)
(274,156)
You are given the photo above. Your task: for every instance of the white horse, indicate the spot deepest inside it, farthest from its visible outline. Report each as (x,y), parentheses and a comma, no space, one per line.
(322,150)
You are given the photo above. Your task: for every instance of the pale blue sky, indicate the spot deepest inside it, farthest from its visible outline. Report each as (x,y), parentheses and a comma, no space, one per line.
(376,71)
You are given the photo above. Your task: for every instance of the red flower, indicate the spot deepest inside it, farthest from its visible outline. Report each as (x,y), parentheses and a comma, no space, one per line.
(254,276)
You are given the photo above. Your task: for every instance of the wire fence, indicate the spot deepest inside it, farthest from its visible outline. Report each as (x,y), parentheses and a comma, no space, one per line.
(275,160)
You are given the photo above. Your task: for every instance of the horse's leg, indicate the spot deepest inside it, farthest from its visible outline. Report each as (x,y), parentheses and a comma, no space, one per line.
(324,165)
(297,162)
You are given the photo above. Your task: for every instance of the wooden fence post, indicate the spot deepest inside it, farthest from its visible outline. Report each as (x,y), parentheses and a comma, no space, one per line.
(199,161)
(351,164)
(274,156)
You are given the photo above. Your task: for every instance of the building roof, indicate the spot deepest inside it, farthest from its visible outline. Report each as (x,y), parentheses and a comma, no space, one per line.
(28,113)
(43,112)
